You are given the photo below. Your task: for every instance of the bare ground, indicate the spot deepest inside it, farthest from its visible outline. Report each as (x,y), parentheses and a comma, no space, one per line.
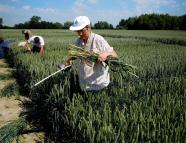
(2,62)
(10,108)
(6,70)
(31,138)
(4,83)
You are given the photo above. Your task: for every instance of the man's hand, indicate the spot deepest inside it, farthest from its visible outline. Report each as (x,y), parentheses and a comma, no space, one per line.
(42,50)
(27,47)
(63,66)
(103,56)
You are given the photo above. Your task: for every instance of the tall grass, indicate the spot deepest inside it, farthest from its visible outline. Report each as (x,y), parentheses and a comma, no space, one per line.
(148,109)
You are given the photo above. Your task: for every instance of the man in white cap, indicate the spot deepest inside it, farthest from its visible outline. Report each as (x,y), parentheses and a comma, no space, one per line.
(37,42)
(94,76)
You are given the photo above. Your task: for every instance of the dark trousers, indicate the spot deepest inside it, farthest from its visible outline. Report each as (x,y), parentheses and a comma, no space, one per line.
(36,49)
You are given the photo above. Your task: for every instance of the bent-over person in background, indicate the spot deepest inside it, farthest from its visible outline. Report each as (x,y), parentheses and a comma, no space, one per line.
(37,42)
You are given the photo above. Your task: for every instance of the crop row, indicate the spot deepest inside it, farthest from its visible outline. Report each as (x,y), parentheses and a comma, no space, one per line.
(150,108)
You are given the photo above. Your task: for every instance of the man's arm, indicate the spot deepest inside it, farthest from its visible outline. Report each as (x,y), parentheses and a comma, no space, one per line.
(103,56)
(41,50)
(105,49)
(27,47)
(42,43)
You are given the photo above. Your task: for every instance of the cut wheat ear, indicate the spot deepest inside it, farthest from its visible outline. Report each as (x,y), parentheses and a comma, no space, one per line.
(115,64)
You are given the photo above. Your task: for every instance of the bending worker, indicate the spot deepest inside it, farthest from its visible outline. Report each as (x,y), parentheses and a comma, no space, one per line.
(36,41)
(92,76)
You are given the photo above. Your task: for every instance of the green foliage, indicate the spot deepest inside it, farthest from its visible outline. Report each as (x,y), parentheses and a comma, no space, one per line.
(152,22)
(10,90)
(3,65)
(148,109)
(148,36)
(103,25)
(183,22)
(1,22)
(12,130)
(5,76)
(36,23)
(67,24)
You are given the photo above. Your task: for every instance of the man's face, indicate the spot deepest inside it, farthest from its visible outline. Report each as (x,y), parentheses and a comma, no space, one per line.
(84,33)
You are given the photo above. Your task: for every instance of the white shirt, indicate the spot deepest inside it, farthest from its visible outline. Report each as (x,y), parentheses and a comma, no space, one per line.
(93,76)
(31,41)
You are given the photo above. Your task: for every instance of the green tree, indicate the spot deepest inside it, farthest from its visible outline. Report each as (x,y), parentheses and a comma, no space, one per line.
(58,25)
(35,22)
(103,25)
(183,22)
(153,22)
(122,24)
(67,24)
(1,22)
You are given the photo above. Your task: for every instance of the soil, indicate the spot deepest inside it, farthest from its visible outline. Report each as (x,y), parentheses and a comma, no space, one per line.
(10,107)
(4,83)
(6,70)
(9,110)
(2,62)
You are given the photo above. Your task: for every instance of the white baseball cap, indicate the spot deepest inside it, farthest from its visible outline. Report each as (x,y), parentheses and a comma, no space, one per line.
(79,23)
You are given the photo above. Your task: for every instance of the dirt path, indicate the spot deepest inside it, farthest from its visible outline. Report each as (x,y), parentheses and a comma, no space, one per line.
(6,70)
(2,62)
(9,110)
(10,106)
(4,83)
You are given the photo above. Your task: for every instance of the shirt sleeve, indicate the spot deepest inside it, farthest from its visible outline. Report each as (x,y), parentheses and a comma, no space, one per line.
(41,41)
(31,40)
(103,45)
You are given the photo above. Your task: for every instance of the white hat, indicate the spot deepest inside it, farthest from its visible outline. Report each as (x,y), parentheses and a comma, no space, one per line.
(79,23)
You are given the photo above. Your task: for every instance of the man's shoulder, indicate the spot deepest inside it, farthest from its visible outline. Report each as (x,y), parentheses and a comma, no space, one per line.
(31,39)
(97,37)
(40,37)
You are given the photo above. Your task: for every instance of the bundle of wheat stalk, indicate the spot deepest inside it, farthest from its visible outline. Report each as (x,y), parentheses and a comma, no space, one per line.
(115,64)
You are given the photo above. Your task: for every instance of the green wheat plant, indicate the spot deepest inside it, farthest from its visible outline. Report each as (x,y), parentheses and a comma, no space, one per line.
(151,109)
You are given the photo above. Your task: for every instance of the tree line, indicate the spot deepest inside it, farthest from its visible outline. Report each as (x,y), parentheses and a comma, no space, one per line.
(142,22)
(154,22)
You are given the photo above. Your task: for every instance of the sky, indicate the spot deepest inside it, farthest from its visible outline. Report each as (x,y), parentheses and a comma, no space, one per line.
(112,11)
